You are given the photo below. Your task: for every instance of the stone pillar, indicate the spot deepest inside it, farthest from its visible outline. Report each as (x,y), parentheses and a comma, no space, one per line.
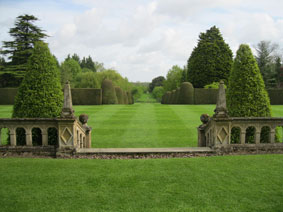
(272,136)
(29,137)
(221,109)
(243,136)
(67,110)
(13,138)
(44,137)
(88,139)
(257,136)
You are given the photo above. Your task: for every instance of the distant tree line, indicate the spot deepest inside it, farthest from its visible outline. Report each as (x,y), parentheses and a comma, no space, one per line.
(212,60)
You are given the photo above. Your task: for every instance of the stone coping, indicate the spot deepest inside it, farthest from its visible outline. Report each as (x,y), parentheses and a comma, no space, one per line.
(266,119)
(145,150)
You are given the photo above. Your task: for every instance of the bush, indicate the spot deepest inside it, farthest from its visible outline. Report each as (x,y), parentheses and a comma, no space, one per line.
(87,80)
(108,92)
(40,94)
(186,93)
(158,92)
(246,94)
(214,85)
(119,94)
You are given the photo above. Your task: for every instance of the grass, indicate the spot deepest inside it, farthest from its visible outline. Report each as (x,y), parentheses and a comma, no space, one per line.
(143,125)
(224,183)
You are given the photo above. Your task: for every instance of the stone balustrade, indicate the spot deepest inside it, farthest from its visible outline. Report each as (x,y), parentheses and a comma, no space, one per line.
(220,130)
(70,131)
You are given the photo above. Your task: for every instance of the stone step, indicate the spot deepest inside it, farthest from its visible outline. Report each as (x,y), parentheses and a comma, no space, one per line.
(144,150)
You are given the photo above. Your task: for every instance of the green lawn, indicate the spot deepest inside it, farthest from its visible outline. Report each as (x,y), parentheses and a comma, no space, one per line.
(224,183)
(143,125)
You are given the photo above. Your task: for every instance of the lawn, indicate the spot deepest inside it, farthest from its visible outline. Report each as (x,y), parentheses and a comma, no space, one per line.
(142,124)
(224,183)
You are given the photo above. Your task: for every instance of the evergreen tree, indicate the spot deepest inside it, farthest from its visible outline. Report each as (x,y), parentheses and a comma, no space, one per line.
(279,72)
(25,34)
(211,60)
(40,94)
(88,63)
(246,94)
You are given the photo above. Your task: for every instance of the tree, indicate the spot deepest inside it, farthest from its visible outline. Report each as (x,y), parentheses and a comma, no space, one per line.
(25,34)
(86,80)
(266,60)
(246,94)
(173,78)
(211,60)
(279,72)
(88,63)
(158,81)
(40,94)
(70,68)
(158,92)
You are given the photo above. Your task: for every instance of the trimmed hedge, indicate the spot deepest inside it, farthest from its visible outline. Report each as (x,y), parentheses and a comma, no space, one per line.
(7,96)
(276,96)
(205,96)
(186,93)
(91,96)
(125,98)
(108,92)
(119,94)
(86,96)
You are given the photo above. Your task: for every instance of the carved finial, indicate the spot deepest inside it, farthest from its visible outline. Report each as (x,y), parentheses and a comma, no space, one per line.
(221,109)
(67,110)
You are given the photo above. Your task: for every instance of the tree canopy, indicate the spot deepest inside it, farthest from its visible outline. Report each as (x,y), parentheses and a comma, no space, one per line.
(173,78)
(211,60)
(157,81)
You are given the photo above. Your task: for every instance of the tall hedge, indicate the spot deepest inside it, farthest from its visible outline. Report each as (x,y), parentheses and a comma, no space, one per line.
(186,95)
(129,95)
(211,60)
(246,94)
(119,94)
(108,92)
(40,94)
(125,98)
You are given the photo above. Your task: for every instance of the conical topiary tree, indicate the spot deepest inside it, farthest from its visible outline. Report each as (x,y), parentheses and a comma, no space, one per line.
(211,60)
(246,94)
(119,94)
(40,94)
(108,92)
(186,95)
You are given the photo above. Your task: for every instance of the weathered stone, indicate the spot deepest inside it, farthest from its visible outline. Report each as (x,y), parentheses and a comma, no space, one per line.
(221,109)
(67,110)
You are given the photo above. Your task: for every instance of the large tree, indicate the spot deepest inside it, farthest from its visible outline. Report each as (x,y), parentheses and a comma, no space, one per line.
(211,60)
(157,81)
(24,35)
(173,78)
(40,94)
(246,94)
(70,68)
(266,55)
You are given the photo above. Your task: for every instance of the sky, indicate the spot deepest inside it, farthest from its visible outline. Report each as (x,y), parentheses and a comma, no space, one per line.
(143,39)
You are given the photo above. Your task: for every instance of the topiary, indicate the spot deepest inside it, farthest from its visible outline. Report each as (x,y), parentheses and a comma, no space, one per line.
(129,98)
(173,94)
(167,97)
(211,60)
(125,98)
(246,94)
(108,92)
(186,93)
(177,96)
(119,94)
(40,94)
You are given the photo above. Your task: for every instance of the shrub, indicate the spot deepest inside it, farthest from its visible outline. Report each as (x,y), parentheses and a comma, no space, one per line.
(246,94)
(130,100)
(214,85)
(125,98)
(108,92)
(40,94)
(119,94)
(158,92)
(186,93)
(211,60)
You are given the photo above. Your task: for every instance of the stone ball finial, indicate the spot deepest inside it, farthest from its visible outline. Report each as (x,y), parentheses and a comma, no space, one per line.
(204,118)
(83,118)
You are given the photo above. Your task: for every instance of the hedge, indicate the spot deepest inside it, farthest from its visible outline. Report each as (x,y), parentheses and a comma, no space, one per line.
(86,96)
(91,96)
(119,94)
(108,92)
